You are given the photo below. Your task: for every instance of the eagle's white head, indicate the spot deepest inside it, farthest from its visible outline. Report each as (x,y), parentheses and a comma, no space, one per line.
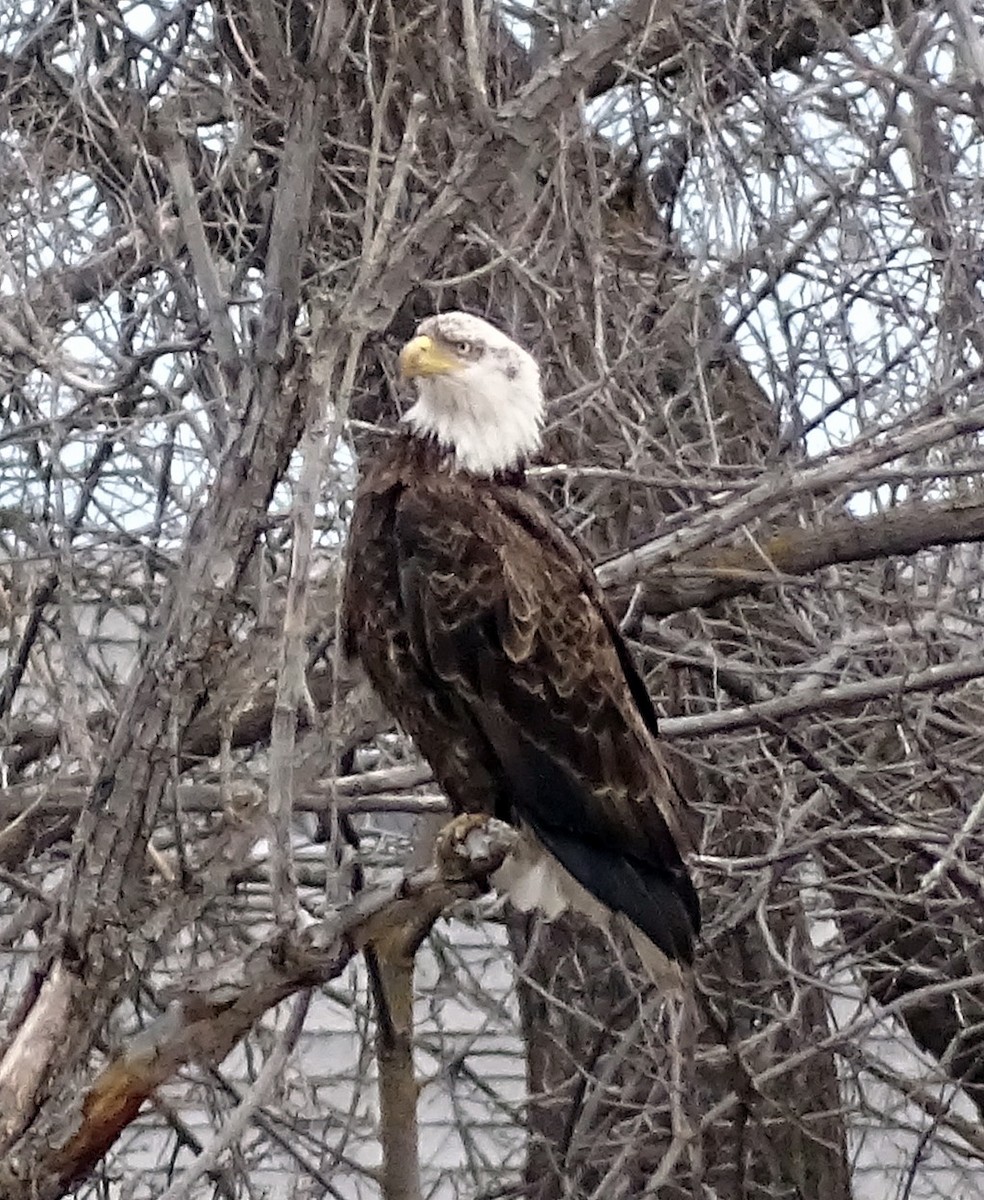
(478,393)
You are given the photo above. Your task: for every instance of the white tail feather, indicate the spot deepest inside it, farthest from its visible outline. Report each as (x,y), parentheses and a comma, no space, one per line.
(533,879)
(663,971)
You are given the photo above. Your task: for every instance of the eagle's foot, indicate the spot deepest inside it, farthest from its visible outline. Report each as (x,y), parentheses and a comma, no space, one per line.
(473,847)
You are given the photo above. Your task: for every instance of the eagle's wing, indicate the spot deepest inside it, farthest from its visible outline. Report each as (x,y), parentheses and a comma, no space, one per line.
(503,611)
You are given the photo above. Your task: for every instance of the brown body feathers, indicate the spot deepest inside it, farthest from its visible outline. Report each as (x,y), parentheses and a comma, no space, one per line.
(483,629)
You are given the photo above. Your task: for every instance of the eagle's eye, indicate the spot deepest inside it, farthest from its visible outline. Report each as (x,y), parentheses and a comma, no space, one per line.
(464,349)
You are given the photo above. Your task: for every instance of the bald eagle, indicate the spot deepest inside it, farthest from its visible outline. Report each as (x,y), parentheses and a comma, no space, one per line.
(482,627)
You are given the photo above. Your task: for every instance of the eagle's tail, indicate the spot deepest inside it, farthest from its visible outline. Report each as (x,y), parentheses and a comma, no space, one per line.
(533,878)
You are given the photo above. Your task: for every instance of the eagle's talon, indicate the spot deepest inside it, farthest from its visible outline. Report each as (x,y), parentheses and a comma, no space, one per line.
(472,846)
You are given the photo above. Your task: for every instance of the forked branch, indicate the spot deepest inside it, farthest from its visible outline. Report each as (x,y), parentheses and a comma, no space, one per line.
(205,1018)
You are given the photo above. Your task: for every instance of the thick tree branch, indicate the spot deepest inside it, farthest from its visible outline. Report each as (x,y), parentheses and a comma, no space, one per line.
(717,573)
(206,1018)
(385,790)
(27,1057)
(783,486)
(768,44)
(248,726)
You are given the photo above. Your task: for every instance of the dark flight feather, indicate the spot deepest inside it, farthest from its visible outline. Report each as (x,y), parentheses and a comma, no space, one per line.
(482,627)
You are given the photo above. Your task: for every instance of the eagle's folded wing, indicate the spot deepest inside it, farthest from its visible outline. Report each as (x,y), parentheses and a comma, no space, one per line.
(505,620)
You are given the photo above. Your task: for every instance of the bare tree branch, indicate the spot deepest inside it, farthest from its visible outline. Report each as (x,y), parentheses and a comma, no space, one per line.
(718,573)
(786,485)
(847,695)
(205,1018)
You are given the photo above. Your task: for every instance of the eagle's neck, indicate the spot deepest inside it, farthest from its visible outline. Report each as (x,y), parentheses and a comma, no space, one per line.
(481,436)
(424,453)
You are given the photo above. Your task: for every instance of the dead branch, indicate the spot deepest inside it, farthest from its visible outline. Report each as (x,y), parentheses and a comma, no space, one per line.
(206,1017)
(784,486)
(718,573)
(825,700)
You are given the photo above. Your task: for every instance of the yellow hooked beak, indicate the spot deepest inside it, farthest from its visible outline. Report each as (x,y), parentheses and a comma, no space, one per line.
(422,356)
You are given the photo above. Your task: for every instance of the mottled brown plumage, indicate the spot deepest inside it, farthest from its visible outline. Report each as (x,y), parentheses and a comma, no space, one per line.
(482,627)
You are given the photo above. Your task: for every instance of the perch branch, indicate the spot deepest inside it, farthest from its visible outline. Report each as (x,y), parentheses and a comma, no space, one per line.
(207,1017)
